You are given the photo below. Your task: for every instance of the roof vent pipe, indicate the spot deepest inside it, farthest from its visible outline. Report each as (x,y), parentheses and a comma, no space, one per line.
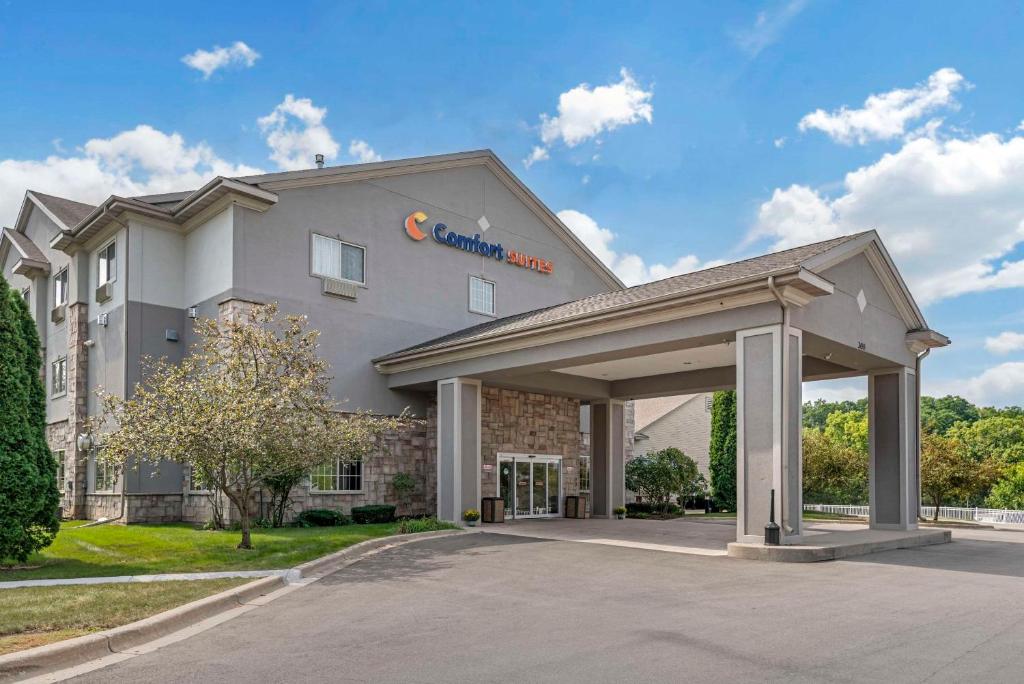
(319,161)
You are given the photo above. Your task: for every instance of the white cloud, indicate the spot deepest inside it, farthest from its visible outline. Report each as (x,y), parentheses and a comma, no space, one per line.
(630,268)
(950,212)
(139,161)
(585,112)
(768,27)
(779,142)
(295,133)
(537,154)
(1005,343)
(1000,385)
(886,115)
(209,61)
(1020,126)
(361,151)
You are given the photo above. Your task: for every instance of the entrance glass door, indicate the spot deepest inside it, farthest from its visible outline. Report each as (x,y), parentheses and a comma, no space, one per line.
(530,487)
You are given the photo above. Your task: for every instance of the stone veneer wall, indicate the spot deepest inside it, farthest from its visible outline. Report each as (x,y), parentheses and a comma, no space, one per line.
(411,451)
(58,436)
(527,423)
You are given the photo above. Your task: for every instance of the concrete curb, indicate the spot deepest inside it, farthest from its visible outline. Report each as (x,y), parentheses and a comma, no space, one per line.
(814,554)
(42,659)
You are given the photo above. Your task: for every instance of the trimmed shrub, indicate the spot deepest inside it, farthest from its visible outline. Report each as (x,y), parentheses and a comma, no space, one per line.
(374,513)
(723,450)
(644,509)
(321,517)
(410,525)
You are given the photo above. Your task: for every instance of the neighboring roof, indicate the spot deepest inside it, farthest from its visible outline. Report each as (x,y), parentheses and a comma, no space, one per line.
(26,248)
(710,278)
(647,411)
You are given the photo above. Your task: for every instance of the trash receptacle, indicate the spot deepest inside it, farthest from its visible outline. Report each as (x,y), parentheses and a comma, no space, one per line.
(492,509)
(576,506)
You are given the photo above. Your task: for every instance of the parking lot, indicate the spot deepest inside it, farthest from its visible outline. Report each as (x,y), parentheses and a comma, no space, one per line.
(498,607)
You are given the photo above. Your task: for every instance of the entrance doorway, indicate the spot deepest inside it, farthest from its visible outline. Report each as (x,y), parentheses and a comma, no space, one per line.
(530,485)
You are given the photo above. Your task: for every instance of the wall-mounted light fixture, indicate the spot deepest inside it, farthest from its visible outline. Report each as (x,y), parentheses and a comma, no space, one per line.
(193,312)
(102,319)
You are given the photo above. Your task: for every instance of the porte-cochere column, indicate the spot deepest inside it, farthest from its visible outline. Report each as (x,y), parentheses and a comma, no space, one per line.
(458,447)
(892,443)
(768,423)
(607,470)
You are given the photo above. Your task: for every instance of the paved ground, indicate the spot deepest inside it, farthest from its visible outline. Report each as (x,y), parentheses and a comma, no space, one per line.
(489,607)
(706,537)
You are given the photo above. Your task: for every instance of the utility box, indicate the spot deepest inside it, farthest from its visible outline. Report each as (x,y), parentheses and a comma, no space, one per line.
(492,509)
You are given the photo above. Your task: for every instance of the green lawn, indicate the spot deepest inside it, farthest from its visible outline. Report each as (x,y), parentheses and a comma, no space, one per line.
(40,615)
(109,550)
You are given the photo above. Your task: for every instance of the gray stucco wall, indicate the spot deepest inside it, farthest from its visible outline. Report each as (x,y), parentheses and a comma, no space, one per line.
(414,290)
(886,442)
(758,432)
(838,316)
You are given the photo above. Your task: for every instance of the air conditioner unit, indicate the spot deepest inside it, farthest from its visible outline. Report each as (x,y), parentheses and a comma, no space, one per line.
(339,288)
(57,313)
(104,292)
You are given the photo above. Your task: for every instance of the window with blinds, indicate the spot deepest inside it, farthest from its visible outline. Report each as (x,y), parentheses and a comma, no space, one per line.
(333,258)
(481,296)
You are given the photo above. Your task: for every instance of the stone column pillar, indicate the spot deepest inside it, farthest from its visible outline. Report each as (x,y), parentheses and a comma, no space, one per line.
(768,423)
(76,460)
(892,443)
(458,447)
(607,464)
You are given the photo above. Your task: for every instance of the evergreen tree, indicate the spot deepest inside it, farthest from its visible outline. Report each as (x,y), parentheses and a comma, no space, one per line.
(29,500)
(723,450)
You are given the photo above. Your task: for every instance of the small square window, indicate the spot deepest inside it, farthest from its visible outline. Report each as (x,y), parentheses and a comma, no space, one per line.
(59,376)
(26,295)
(481,296)
(196,481)
(107,264)
(708,402)
(60,287)
(333,258)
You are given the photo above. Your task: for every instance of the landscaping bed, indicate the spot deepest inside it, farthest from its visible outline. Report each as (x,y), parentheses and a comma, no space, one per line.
(109,550)
(35,616)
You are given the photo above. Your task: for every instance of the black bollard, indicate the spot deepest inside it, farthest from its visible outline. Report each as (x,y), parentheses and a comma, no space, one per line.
(772,532)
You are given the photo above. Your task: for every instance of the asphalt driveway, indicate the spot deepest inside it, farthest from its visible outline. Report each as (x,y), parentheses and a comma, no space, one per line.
(500,608)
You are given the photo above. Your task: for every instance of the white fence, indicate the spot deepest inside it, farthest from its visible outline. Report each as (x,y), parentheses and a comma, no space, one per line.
(982,515)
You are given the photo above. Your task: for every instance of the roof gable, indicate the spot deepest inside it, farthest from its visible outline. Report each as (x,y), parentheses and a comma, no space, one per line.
(646,412)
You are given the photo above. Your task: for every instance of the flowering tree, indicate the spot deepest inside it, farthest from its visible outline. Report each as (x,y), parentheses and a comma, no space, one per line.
(247,406)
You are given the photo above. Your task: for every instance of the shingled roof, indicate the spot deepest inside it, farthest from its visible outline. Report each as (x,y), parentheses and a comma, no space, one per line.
(718,276)
(69,212)
(25,247)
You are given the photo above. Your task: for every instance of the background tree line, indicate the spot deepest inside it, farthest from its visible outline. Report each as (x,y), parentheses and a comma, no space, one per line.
(970,455)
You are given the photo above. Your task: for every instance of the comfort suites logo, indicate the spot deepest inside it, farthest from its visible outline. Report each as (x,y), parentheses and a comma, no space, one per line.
(474,245)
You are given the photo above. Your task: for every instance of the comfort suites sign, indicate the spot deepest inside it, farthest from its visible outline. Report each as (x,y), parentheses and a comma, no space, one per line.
(474,245)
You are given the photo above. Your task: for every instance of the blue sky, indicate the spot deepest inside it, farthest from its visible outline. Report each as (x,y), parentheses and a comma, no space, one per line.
(672,135)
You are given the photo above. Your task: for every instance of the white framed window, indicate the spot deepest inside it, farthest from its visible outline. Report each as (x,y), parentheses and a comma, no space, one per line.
(481,296)
(26,294)
(333,258)
(196,482)
(584,474)
(59,455)
(338,476)
(60,287)
(59,376)
(106,474)
(106,263)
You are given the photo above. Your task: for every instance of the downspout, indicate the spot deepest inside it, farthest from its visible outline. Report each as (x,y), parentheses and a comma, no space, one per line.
(784,305)
(917,390)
